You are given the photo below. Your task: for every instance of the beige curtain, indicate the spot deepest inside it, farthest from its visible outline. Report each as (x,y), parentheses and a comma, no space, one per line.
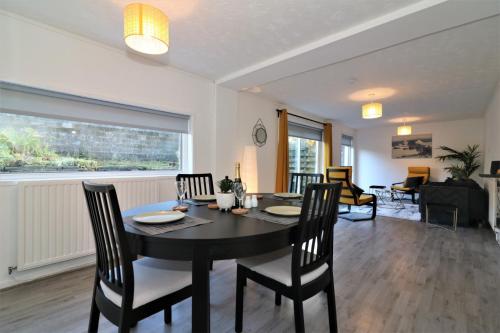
(282,163)
(327,144)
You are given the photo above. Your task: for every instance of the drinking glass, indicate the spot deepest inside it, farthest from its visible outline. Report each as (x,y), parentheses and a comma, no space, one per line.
(181,188)
(239,190)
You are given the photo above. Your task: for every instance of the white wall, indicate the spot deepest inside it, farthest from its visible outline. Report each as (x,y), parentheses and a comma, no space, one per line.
(36,55)
(237,113)
(492,130)
(373,150)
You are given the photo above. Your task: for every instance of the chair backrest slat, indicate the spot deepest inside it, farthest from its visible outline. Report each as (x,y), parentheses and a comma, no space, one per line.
(314,242)
(114,261)
(299,181)
(197,183)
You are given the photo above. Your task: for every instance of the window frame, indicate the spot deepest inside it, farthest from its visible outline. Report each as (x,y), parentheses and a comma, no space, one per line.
(319,155)
(186,151)
(351,150)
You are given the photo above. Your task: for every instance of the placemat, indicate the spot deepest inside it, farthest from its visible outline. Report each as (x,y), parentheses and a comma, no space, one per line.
(260,215)
(186,222)
(293,202)
(197,203)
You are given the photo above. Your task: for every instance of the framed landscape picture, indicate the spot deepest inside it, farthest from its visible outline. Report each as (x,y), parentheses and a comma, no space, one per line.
(412,146)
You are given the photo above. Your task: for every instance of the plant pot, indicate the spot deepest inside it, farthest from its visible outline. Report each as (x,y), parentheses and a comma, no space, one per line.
(225,200)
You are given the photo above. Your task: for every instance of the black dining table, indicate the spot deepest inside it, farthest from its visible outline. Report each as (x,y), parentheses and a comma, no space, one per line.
(229,236)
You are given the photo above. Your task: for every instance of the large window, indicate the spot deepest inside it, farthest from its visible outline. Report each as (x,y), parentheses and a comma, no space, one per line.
(37,144)
(346,151)
(304,148)
(43,131)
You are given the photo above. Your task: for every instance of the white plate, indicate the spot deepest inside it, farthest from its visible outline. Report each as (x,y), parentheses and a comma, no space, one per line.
(204,197)
(288,195)
(284,210)
(163,216)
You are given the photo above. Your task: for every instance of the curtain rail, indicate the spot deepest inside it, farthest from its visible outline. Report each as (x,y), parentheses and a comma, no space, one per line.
(301,117)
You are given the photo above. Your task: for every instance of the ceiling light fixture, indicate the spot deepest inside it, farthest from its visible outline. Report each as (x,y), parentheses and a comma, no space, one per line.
(405,129)
(371,110)
(145,29)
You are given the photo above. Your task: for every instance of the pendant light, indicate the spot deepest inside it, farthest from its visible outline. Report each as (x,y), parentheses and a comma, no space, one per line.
(371,110)
(145,29)
(405,129)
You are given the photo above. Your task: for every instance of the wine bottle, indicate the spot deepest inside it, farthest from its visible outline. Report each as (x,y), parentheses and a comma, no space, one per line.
(237,176)
(237,179)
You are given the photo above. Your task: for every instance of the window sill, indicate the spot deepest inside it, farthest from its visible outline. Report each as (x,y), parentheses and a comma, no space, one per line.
(9,179)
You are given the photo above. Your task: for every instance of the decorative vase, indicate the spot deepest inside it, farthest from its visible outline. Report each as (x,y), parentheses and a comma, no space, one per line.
(225,200)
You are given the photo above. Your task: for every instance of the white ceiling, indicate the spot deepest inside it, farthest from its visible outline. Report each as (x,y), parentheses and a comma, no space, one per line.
(212,38)
(441,56)
(448,75)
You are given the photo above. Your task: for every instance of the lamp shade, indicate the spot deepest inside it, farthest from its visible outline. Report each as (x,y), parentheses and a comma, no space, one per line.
(145,29)
(404,130)
(249,172)
(372,110)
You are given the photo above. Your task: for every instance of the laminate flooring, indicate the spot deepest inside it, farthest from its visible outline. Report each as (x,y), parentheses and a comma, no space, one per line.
(390,276)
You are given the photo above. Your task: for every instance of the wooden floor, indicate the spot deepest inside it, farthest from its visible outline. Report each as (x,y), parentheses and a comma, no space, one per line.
(391,276)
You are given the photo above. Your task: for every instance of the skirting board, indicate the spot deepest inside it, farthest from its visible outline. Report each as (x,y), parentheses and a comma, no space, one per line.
(18,278)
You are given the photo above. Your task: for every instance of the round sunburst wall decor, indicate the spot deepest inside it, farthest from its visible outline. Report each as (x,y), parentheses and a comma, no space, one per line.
(259,133)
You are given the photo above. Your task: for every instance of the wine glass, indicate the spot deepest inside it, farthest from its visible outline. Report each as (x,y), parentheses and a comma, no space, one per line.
(239,190)
(181,188)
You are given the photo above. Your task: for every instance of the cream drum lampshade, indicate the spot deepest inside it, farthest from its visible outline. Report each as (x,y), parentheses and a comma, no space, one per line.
(145,29)
(404,130)
(372,110)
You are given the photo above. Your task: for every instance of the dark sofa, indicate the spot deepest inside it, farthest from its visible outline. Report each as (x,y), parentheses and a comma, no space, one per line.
(467,195)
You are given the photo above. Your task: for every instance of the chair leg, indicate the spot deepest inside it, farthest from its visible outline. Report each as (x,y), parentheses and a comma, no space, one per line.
(413,198)
(94,316)
(277,299)
(124,326)
(94,310)
(332,309)
(211,265)
(240,279)
(167,315)
(374,208)
(298,312)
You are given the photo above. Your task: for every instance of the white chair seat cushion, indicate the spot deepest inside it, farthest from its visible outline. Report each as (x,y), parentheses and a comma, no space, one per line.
(154,278)
(277,265)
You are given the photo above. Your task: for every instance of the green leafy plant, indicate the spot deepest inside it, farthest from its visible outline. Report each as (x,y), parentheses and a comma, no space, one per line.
(467,161)
(225,185)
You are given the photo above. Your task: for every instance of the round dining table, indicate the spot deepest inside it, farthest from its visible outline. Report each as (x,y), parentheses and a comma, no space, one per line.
(229,236)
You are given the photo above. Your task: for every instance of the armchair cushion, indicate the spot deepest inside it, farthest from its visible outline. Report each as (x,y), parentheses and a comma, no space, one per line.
(357,190)
(413,182)
(363,199)
(400,188)
(420,172)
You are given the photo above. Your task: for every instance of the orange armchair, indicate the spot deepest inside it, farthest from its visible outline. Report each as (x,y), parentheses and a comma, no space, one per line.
(351,195)
(416,176)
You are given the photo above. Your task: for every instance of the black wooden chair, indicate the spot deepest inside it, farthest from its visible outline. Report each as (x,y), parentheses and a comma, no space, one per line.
(293,272)
(299,181)
(128,290)
(197,183)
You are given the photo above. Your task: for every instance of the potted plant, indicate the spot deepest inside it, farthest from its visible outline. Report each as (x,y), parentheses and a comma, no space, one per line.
(468,161)
(225,198)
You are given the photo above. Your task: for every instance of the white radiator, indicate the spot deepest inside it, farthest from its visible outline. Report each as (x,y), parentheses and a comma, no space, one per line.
(53,221)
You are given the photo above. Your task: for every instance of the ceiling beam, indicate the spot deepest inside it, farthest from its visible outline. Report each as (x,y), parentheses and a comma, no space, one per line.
(409,23)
